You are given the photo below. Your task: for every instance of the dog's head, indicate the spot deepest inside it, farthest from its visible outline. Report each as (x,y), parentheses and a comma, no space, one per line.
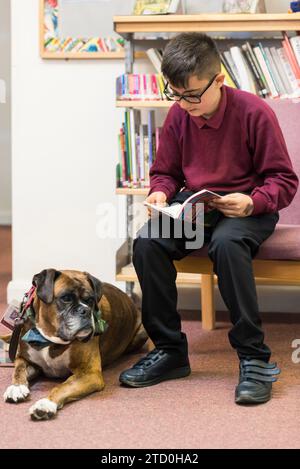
(65,303)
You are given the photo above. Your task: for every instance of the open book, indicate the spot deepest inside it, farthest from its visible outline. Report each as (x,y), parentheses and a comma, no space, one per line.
(190,208)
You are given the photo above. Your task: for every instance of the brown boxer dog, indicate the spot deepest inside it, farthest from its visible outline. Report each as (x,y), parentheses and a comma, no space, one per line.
(60,337)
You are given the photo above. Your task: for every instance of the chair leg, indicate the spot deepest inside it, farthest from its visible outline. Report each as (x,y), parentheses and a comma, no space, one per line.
(207,302)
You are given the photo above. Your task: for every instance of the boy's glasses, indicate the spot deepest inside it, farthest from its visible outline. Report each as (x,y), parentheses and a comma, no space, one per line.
(190,98)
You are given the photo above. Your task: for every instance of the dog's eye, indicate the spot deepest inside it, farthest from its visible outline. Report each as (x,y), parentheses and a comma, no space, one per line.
(90,301)
(67,298)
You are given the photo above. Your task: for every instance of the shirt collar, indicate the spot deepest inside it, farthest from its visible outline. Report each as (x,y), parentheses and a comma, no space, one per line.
(216,119)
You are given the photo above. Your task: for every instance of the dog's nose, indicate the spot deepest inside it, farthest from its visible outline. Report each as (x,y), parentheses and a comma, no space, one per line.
(84,310)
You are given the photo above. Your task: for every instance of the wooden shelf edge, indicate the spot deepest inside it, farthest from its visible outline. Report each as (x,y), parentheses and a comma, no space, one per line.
(207,22)
(138,191)
(207,17)
(145,104)
(88,55)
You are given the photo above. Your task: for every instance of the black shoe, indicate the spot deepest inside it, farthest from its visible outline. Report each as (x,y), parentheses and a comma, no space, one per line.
(155,367)
(255,384)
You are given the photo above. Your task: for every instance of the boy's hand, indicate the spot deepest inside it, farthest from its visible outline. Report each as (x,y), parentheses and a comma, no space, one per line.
(158,198)
(234,205)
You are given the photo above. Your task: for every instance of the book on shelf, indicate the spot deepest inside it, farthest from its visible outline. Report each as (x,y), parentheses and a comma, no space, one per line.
(275,74)
(155,57)
(246,77)
(254,67)
(190,209)
(159,7)
(250,6)
(295,43)
(291,56)
(228,79)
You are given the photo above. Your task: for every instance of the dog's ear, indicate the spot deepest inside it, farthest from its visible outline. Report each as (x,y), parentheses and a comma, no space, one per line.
(44,282)
(97,286)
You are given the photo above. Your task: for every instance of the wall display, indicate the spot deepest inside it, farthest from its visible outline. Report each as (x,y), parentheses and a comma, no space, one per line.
(80,29)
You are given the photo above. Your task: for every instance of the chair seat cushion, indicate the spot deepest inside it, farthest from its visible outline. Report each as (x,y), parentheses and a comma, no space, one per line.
(283,244)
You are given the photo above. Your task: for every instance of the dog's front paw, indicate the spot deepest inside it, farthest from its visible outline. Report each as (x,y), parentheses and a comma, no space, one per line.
(44,409)
(16,393)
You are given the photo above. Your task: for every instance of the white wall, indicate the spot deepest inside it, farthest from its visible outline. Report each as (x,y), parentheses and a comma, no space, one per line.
(64,150)
(5,114)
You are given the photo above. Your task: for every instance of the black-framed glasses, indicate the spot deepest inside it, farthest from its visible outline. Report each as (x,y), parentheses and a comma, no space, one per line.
(190,98)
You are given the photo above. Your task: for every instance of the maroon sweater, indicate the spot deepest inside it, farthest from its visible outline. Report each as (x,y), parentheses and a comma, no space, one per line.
(239,149)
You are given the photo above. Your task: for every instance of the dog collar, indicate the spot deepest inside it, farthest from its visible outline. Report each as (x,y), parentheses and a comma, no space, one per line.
(33,336)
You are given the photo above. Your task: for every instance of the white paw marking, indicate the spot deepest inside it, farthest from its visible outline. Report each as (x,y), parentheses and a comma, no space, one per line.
(16,393)
(44,409)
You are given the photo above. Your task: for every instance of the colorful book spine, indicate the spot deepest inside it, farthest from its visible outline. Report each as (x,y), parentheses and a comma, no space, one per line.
(291,56)
(137,145)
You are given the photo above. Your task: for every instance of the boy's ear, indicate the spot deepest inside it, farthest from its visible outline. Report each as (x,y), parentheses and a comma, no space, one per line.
(220,79)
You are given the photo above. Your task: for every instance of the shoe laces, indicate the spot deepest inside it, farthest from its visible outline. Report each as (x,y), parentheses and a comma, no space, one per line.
(151,358)
(258,370)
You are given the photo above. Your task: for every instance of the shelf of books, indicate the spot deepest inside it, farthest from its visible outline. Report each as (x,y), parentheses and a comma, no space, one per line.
(138,140)
(207,22)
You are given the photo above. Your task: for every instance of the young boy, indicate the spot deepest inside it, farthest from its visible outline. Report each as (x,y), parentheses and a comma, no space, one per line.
(228,141)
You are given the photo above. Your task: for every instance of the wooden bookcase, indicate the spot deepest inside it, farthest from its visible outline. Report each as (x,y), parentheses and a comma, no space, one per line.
(127,26)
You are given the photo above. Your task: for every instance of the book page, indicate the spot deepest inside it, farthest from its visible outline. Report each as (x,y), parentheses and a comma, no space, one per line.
(172,210)
(202,196)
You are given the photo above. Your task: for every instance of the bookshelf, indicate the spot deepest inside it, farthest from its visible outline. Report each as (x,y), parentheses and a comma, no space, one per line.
(127,26)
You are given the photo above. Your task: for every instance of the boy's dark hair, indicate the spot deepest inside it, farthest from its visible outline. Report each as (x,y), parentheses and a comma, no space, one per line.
(190,54)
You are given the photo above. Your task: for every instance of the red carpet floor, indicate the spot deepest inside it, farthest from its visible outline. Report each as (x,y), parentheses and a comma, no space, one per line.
(194,412)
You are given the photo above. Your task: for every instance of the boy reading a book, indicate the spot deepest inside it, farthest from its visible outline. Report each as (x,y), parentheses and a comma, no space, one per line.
(228,141)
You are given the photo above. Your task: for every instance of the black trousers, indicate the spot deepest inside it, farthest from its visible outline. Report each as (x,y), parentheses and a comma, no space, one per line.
(233,242)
